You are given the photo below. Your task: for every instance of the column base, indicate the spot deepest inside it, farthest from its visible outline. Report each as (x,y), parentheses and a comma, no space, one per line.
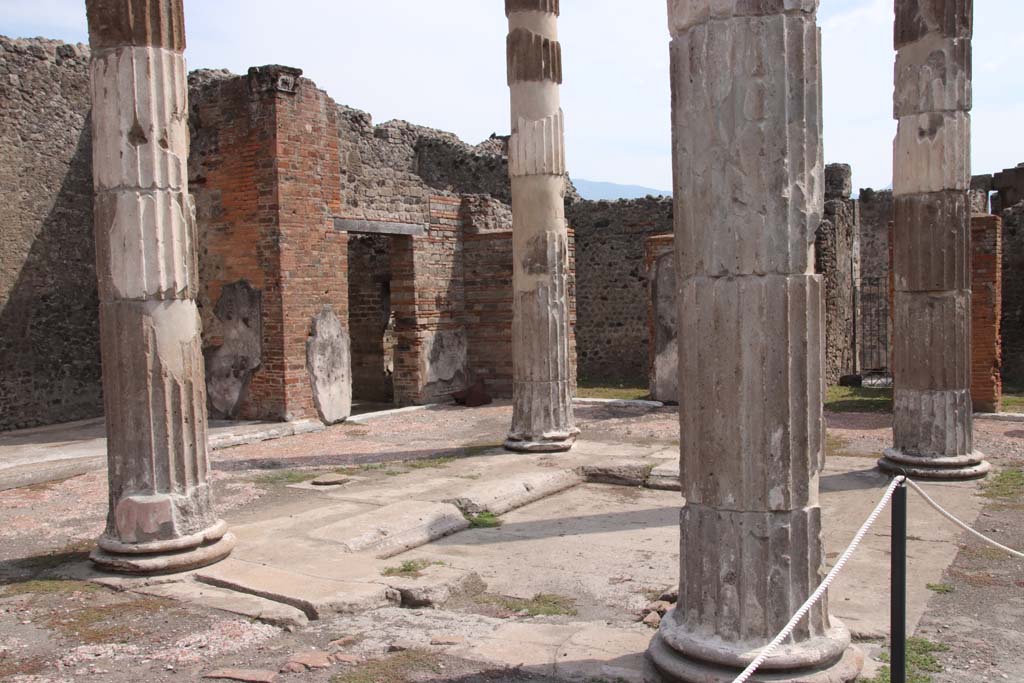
(555,443)
(673,665)
(953,468)
(165,557)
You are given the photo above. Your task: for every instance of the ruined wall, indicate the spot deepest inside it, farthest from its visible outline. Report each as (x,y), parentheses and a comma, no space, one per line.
(986,308)
(1012,327)
(611,285)
(265,202)
(662,317)
(49,331)
(876,214)
(837,258)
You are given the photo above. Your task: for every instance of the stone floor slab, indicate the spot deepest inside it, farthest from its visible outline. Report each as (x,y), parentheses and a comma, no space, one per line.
(316,597)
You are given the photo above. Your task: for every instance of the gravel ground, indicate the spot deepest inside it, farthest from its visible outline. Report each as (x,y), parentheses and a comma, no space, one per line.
(68,631)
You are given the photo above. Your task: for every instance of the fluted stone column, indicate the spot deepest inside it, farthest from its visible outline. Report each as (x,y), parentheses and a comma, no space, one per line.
(747,152)
(161,515)
(542,417)
(933,424)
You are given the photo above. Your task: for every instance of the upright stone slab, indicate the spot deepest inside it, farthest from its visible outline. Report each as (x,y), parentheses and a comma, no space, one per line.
(746,94)
(933,424)
(542,417)
(161,515)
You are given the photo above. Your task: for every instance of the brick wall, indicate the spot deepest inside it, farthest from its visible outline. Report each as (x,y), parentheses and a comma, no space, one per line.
(314,256)
(986,298)
(265,203)
(369,295)
(611,285)
(49,331)
(487,277)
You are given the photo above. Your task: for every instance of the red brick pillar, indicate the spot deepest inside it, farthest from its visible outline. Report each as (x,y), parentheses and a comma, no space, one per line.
(986,311)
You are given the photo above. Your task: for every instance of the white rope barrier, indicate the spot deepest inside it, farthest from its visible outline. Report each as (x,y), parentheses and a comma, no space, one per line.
(954,520)
(800,613)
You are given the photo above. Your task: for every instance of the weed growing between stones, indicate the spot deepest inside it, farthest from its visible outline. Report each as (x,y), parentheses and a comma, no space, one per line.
(484,520)
(1008,484)
(921,662)
(397,668)
(540,605)
(410,569)
(425,463)
(940,587)
(858,400)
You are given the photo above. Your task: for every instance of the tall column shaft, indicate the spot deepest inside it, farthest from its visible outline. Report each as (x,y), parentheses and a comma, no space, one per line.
(746,121)
(932,427)
(542,417)
(161,515)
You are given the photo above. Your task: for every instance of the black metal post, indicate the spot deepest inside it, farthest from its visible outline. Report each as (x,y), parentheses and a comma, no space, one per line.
(898,588)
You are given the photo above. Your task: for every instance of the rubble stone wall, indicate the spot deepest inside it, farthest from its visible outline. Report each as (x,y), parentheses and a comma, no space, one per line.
(874,328)
(611,285)
(837,259)
(49,329)
(1012,328)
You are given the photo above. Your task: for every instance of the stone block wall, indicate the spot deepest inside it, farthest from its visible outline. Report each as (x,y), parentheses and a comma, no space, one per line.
(49,330)
(874,326)
(611,285)
(1012,327)
(265,201)
(837,259)
(986,298)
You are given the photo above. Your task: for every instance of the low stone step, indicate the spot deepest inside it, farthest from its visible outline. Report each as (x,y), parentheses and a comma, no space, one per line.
(245,604)
(515,491)
(393,528)
(316,597)
(665,477)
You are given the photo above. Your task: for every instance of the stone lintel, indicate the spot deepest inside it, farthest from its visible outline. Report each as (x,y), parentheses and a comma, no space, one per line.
(685,14)
(931,251)
(121,23)
(550,6)
(917,19)
(379,227)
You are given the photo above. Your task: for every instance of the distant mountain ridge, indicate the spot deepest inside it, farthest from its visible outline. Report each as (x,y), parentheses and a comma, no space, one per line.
(596,190)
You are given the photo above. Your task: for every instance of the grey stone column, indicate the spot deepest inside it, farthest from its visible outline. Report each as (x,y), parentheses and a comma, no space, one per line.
(747,154)
(933,423)
(161,515)
(542,417)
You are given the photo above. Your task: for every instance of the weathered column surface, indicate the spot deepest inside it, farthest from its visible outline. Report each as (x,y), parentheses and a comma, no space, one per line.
(933,424)
(746,121)
(542,417)
(161,515)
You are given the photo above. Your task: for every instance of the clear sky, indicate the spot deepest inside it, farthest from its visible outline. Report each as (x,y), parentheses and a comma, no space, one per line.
(441,63)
